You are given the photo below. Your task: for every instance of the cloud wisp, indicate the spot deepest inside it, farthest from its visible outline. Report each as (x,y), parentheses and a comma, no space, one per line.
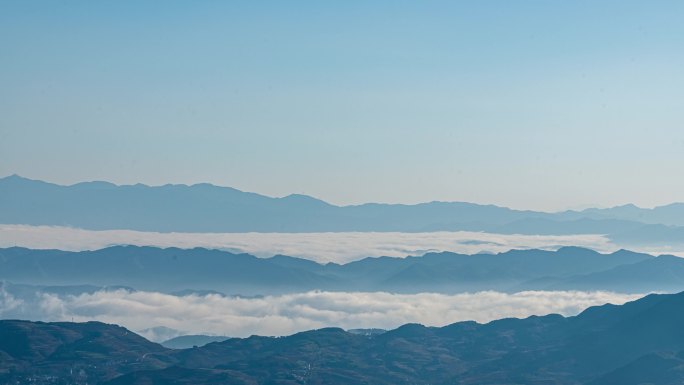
(320,247)
(287,314)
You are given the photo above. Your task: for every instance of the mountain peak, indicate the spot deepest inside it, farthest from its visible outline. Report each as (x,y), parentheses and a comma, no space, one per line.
(16,178)
(568,249)
(95,185)
(304,199)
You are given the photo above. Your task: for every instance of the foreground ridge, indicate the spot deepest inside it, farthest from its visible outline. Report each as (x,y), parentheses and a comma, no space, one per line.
(603,345)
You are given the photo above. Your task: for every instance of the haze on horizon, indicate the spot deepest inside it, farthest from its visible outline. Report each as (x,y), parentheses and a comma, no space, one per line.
(528,105)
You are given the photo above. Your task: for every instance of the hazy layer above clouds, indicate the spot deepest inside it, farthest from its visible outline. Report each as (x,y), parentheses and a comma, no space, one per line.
(320,247)
(287,314)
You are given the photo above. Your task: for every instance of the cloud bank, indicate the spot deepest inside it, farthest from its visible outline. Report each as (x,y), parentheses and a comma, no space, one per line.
(287,314)
(321,247)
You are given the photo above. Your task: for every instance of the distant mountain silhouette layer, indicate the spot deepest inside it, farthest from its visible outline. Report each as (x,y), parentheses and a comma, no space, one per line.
(198,270)
(208,208)
(636,343)
(190,341)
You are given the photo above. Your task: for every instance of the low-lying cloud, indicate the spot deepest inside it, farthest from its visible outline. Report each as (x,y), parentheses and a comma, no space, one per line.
(287,314)
(321,247)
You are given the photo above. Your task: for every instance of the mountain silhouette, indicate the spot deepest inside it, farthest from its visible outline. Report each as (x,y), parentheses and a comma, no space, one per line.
(635,343)
(199,270)
(208,208)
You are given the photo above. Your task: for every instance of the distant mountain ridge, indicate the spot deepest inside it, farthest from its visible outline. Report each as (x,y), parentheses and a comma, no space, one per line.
(208,208)
(640,342)
(199,270)
(189,341)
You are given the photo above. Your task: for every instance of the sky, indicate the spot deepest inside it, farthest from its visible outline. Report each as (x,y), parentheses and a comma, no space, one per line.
(542,105)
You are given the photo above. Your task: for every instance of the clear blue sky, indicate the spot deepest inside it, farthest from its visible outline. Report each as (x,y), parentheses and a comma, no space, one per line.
(529,104)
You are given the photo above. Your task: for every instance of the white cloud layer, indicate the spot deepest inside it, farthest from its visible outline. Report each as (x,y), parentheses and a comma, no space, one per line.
(321,247)
(287,314)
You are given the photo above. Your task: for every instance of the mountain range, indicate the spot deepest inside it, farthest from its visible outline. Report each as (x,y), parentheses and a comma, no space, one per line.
(209,208)
(179,271)
(640,342)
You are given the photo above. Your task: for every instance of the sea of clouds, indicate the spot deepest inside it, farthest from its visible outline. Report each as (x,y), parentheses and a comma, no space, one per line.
(321,247)
(216,314)
(286,314)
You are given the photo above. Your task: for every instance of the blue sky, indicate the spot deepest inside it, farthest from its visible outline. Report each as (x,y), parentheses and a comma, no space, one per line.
(530,104)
